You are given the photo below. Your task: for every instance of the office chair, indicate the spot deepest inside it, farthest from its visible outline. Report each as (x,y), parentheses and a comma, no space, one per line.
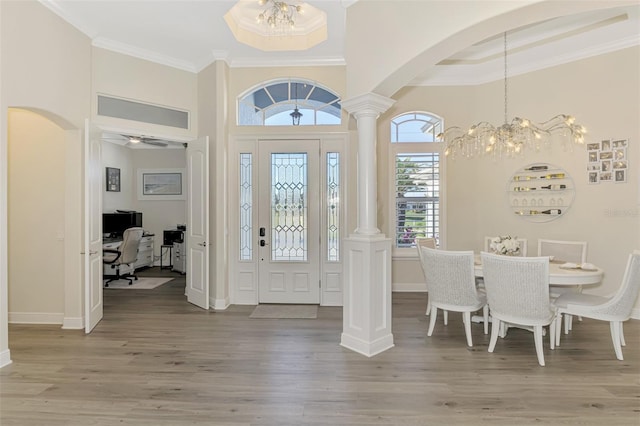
(125,254)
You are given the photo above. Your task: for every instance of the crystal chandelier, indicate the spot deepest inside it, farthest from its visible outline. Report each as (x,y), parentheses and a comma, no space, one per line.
(278,15)
(509,139)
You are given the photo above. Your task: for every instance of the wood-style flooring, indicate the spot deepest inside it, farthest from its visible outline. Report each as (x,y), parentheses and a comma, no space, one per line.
(157,360)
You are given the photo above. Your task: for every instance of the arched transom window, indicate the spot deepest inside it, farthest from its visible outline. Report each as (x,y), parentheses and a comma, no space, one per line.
(277,103)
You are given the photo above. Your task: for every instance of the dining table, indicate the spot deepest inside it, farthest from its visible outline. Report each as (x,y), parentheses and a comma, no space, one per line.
(561,273)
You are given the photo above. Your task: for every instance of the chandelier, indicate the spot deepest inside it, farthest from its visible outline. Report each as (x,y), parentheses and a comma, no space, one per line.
(278,15)
(510,139)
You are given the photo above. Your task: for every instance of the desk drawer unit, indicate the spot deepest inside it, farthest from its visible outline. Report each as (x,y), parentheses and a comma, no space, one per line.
(145,252)
(179,258)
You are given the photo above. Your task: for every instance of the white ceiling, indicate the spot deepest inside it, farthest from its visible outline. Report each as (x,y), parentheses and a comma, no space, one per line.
(190,34)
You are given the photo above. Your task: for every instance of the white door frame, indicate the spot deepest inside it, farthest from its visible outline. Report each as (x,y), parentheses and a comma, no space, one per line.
(243,273)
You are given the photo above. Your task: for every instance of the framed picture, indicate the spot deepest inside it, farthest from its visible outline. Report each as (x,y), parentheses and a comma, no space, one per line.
(113,179)
(607,161)
(161,184)
(620,176)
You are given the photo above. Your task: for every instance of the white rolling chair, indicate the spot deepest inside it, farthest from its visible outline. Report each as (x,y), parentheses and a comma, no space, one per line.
(430,243)
(615,309)
(518,293)
(125,254)
(564,251)
(451,284)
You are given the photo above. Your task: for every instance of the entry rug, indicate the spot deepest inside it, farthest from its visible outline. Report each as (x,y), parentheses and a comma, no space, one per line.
(285,312)
(142,283)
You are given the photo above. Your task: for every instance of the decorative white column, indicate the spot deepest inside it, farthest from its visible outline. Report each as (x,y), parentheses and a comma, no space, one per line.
(366,313)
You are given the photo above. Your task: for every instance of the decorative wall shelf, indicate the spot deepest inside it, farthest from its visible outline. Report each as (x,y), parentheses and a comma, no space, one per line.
(540,192)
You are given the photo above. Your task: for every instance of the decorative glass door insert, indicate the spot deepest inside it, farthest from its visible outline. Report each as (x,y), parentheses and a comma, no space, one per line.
(289,221)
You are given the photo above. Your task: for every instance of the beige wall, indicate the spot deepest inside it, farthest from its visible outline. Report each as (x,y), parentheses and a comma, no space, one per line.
(47,64)
(123,76)
(36,218)
(604,94)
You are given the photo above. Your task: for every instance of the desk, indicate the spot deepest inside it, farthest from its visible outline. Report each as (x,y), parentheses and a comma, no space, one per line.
(559,276)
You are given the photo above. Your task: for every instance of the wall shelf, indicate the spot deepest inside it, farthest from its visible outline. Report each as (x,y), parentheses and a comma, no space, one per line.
(540,192)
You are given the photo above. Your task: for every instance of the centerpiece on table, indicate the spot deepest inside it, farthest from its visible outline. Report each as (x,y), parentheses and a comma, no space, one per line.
(505,245)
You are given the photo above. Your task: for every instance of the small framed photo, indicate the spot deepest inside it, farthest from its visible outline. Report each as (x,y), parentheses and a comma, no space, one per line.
(619,153)
(593,156)
(113,179)
(593,146)
(606,145)
(620,164)
(622,143)
(605,177)
(593,167)
(593,177)
(606,166)
(606,155)
(620,176)
(162,184)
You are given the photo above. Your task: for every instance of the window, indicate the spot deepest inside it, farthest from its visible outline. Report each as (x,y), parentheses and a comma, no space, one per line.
(272,104)
(417,182)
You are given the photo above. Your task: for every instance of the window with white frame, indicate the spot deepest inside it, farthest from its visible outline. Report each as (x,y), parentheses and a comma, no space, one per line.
(417,177)
(277,103)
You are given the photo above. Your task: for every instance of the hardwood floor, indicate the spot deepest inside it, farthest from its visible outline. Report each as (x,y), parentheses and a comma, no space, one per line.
(156,360)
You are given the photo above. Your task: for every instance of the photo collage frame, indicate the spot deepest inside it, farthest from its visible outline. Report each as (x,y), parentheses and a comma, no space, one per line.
(607,161)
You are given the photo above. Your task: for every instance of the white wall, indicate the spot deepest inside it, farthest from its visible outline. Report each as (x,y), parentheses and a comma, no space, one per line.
(604,94)
(157,215)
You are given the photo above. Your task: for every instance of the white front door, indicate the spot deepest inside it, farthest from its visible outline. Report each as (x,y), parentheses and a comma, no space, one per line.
(92,255)
(198,222)
(289,222)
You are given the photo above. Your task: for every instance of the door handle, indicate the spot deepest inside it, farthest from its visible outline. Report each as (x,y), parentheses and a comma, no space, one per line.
(262,232)
(204,244)
(263,243)
(90,252)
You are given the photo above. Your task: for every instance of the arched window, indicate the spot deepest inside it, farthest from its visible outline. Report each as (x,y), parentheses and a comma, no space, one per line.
(417,171)
(276,103)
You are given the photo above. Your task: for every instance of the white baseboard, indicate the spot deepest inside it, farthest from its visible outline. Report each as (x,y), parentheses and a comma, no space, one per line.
(219,304)
(5,358)
(73,323)
(36,318)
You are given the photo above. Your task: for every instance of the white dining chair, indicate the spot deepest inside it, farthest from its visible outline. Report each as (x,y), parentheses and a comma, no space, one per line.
(615,309)
(518,293)
(451,285)
(430,243)
(522,242)
(564,251)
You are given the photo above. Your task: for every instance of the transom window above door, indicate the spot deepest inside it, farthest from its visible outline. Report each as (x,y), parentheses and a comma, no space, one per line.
(289,103)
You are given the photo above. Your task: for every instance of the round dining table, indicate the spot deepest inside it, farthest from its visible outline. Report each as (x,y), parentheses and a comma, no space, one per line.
(559,275)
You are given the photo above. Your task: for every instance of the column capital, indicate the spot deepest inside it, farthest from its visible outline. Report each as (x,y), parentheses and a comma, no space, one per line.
(368,103)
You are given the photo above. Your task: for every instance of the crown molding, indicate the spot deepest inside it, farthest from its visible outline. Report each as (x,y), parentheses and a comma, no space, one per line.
(148,55)
(54,6)
(286,62)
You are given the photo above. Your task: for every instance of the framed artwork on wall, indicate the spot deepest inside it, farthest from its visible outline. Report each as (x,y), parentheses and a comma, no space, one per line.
(113,179)
(607,161)
(161,184)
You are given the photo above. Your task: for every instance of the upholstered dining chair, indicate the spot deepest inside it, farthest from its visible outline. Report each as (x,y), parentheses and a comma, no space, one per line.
(125,254)
(518,293)
(615,309)
(452,287)
(431,243)
(564,251)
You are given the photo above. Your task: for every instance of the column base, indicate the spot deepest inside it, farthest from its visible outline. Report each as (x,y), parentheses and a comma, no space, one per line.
(366,323)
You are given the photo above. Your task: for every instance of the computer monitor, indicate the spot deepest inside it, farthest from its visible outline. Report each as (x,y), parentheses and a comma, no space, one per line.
(115,224)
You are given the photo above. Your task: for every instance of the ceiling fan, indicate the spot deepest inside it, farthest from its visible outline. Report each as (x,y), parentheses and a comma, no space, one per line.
(134,139)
